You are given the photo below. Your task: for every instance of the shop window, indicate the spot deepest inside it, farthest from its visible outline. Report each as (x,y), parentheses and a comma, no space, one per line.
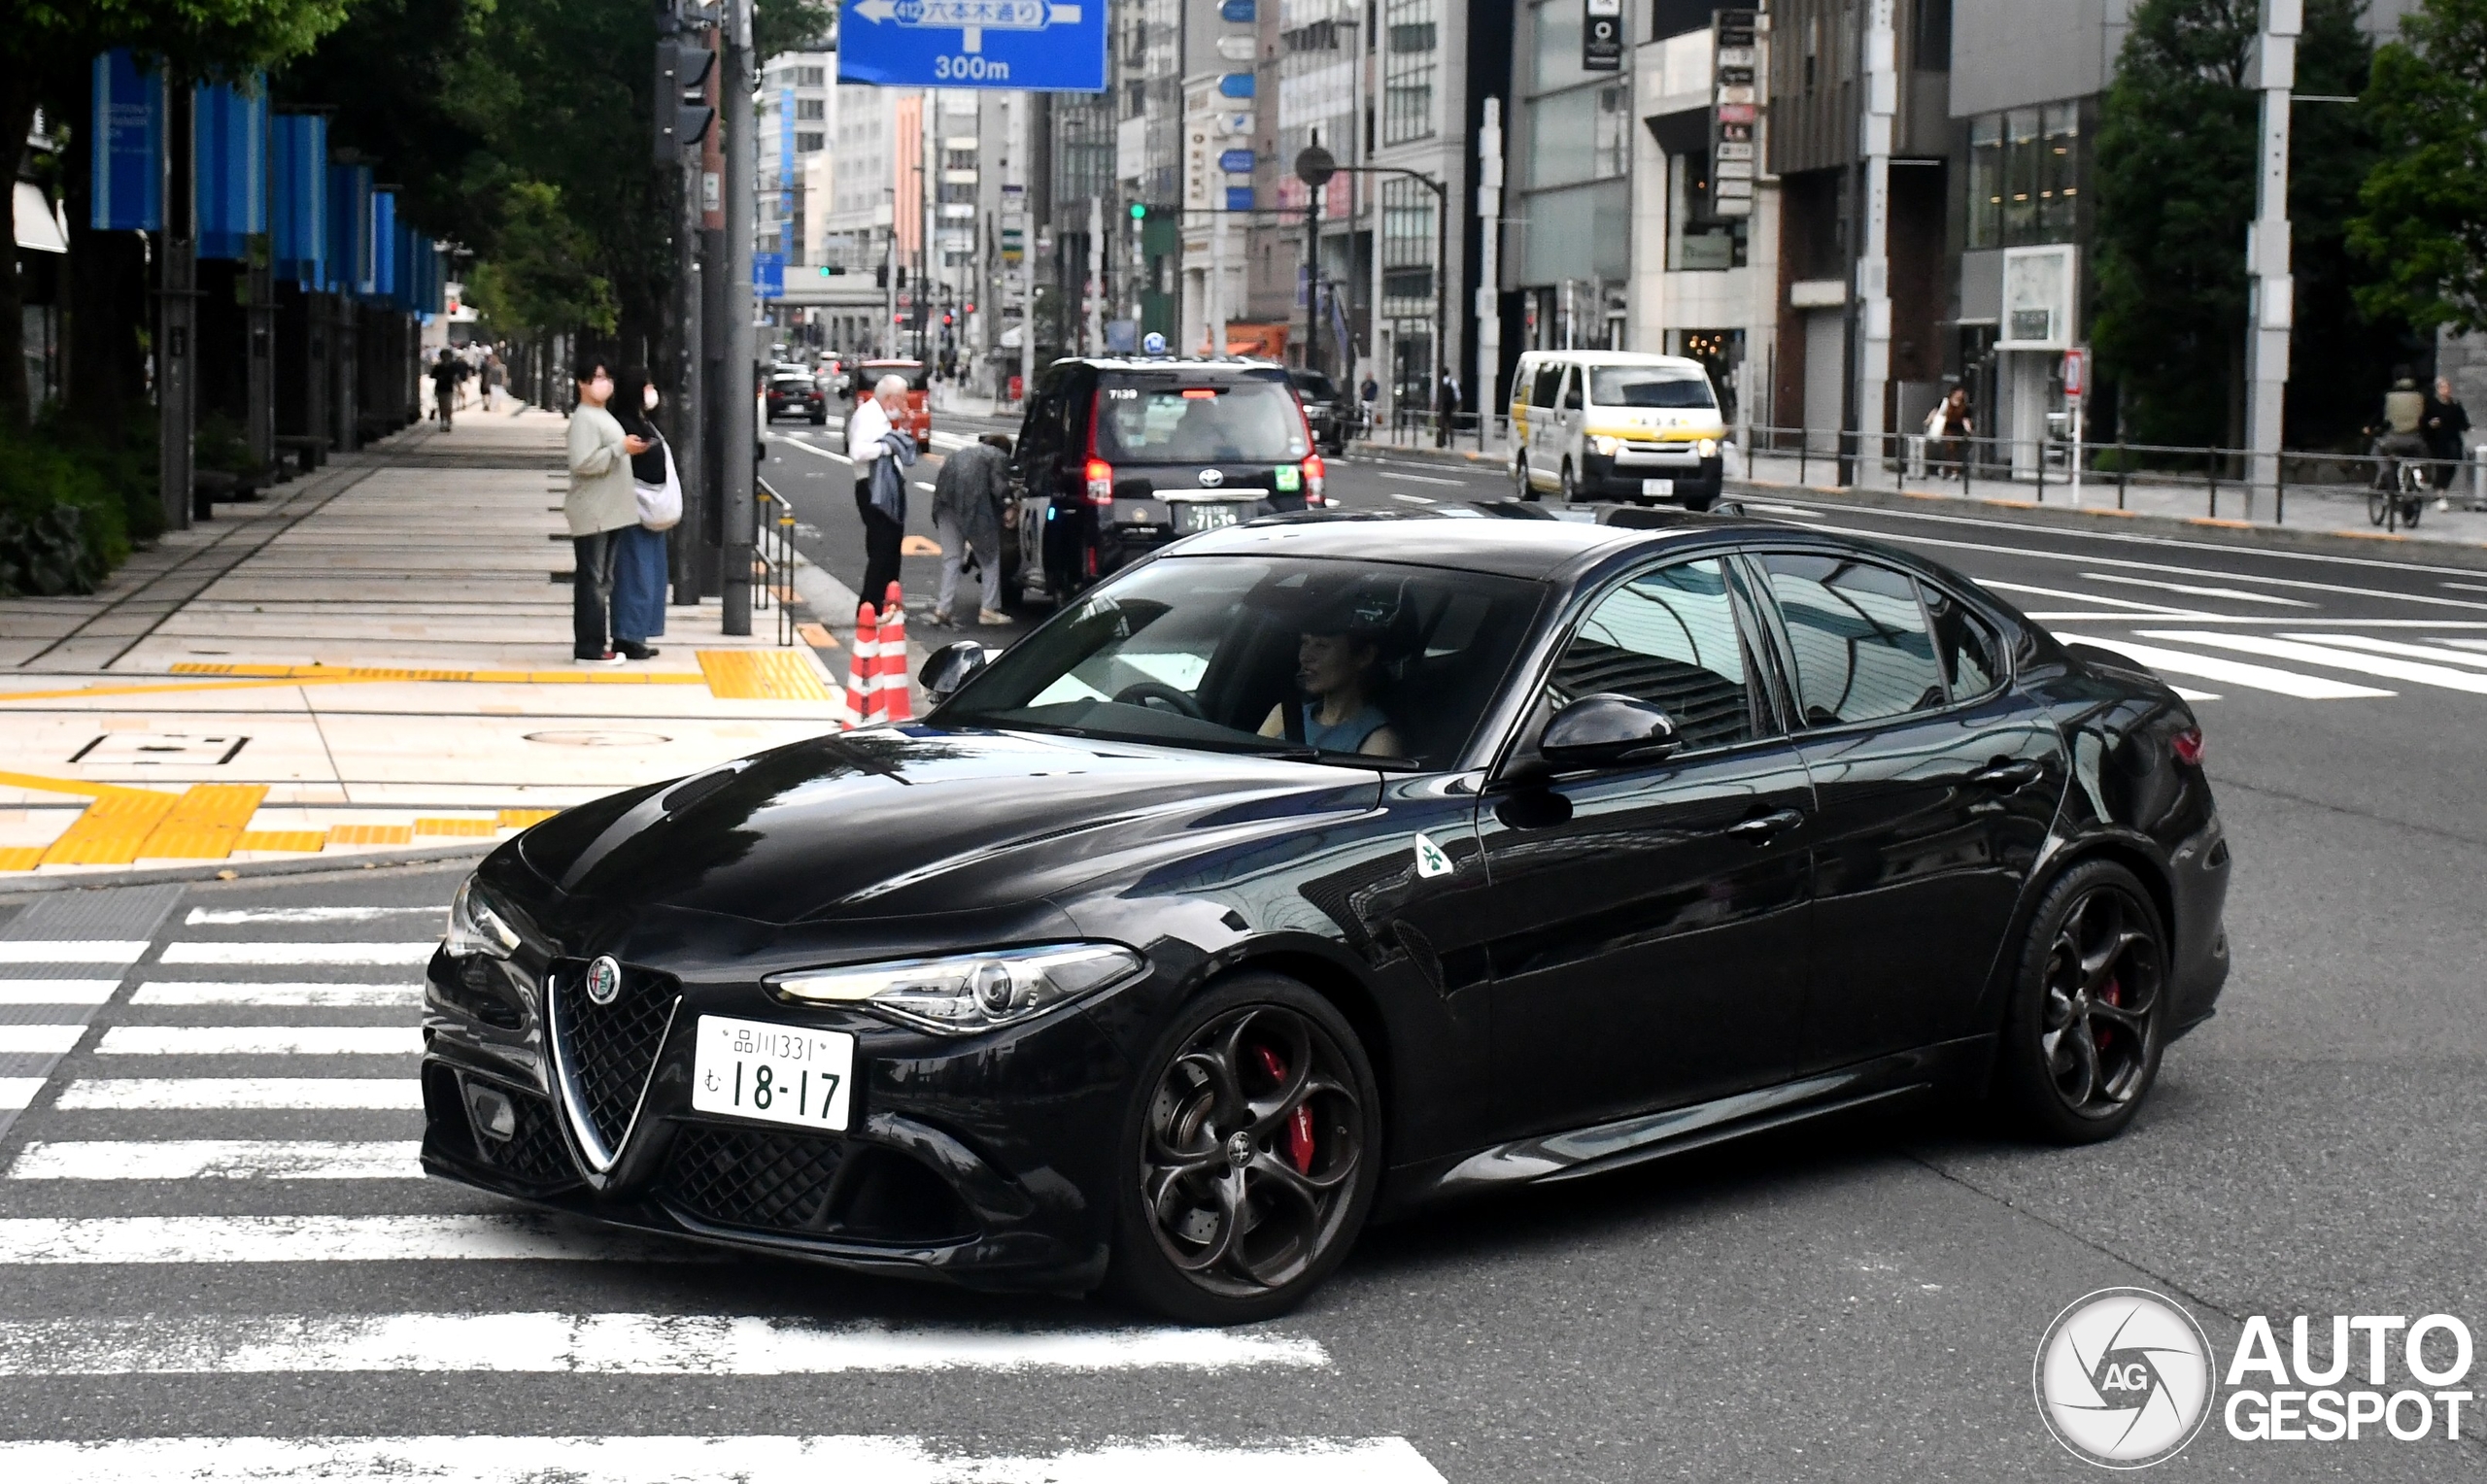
(1986,182)
(2020,175)
(2058,171)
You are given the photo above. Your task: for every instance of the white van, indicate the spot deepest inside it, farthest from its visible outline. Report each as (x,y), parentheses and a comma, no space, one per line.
(1616,426)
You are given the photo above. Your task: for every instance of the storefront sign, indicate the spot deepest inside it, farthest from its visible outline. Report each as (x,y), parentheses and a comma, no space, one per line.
(1602,36)
(128,137)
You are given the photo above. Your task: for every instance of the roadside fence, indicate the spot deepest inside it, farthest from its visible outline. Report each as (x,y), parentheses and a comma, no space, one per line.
(772,559)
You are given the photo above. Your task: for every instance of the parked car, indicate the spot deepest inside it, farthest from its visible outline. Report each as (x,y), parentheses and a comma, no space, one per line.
(1325,410)
(1616,426)
(1329,866)
(794,393)
(1117,457)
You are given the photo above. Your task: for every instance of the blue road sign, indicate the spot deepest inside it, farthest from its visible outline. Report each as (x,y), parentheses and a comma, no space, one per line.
(1236,163)
(769,275)
(1040,45)
(1239,198)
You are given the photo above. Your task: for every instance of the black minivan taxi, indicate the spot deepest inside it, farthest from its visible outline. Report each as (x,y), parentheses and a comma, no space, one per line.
(1117,457)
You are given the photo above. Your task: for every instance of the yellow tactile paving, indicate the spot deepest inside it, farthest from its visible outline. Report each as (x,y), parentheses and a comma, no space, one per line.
(308,841)
(63,785)
(380,673)
(519,819)
(111,829)
(761,675)
(21,857)
(371,834)
(456,826)
(205,822)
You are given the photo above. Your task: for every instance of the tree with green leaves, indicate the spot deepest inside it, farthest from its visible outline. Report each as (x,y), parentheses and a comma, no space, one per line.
(2174,189)
(2423,223)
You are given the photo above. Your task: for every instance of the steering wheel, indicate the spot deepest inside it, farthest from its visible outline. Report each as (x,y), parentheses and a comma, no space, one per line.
(1140,693)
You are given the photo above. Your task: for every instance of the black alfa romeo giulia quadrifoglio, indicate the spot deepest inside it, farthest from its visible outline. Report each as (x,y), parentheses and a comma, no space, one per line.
(1323,867)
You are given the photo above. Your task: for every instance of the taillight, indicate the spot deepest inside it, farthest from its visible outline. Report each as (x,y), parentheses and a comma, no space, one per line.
(1101,482)
(1312,473)
(2188,747)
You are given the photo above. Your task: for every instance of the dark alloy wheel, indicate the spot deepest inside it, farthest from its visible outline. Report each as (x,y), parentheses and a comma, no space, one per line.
(1253,1153)
(2088,1020)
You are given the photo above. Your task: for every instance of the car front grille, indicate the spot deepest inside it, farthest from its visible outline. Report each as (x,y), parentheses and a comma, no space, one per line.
(534,1153)
(608,1050)
(746,1177)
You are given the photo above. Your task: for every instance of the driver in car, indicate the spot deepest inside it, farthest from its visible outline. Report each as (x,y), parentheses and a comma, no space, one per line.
(1338,662)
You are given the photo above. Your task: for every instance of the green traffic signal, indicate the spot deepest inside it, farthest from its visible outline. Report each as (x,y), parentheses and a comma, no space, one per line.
(1138,212)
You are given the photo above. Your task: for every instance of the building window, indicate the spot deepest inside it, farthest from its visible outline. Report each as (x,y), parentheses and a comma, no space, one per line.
(811,76)
(2059,170)
(811,108)
(1584,134)
(805,144)
(1986,182)
(1407,71)
(1406,248)
(2024,174)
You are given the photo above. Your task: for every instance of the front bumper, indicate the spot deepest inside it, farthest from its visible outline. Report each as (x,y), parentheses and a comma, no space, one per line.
(984,1161)
(1619,476)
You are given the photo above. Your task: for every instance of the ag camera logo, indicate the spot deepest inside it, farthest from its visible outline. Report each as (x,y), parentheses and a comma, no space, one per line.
(2124,1378)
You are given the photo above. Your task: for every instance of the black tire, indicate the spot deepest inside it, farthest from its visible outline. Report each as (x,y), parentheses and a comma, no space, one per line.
(2374,505)
(2086,1022)
(1697,503)
(1520,485)
(1182,1249)
(1571,483)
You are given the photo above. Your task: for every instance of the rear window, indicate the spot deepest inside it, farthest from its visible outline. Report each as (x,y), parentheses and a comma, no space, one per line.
(1161,420)
(1317,387)
(1649,387)
(912,370)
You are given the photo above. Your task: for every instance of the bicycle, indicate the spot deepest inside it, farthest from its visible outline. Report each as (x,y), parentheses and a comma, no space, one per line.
(2399,494)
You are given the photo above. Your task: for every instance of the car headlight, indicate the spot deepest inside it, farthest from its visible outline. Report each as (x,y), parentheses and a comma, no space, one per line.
(970,992)
(475,926)
(1606,447)
(1706,447)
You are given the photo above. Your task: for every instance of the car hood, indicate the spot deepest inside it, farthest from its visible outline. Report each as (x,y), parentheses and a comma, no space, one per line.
(889,823)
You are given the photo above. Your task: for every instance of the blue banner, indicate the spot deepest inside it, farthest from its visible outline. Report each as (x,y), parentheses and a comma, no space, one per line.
(298,197)
(350,228)
(1039,45)
(769,275)
(384,244)
(788,170)
(127,133)
(233,157)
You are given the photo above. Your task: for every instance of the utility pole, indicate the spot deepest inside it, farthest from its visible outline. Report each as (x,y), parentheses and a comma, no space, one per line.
(685,103)
(736,425)
(2271,303)
(1489,236)
(1096,274)
(1314,166)
(1872,288)
(176,390)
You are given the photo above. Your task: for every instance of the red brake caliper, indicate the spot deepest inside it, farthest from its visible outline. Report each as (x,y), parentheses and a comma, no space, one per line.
(2115,996)
(1299,1125)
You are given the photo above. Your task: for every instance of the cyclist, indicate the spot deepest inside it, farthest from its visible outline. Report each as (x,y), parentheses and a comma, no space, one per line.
(2396,436)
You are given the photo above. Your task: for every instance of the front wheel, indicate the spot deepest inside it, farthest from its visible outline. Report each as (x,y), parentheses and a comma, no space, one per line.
(1571,485)
(1521,487)
(2375,507)
(1249,1156)
(2087,1021)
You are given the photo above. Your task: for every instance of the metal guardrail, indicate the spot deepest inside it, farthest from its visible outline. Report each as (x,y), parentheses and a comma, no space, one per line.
(772,558)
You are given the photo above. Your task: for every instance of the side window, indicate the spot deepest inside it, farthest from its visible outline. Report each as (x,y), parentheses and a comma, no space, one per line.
(1548,379)
(1863,649)
(1572,388)
(1667,637)
(1971,653)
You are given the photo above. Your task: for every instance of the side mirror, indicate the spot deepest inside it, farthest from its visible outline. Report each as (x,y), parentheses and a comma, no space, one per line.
(948,667)
(1602,730)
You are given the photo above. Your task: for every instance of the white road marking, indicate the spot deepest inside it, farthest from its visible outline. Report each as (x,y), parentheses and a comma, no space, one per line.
(2465,586)
(2125,603)
(2382,666)
(2471,644)
(925,485)
(217,1160)
(2256,677)
(606,1344)
(71,951)
(323,995)
(2193,695)
(261,1041)
(300,953)
(39,1040)
(2395,647)
(132,1093)
(17,1091)
(103,1239)
(2247,618)
(1785,509)
(809,448)
(1422,479)
(57,991)
(1412,499)
(647,1459)
(2189,590)
(208,917)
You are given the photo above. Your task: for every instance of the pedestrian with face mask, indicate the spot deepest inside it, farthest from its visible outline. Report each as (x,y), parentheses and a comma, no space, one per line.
(639,551)
(881,453)
(600,502)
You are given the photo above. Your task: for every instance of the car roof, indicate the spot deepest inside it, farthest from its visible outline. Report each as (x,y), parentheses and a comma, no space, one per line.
(1168,363)
(1615,358)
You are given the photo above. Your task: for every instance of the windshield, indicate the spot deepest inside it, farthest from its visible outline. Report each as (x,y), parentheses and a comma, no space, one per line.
(1159,420)
(1298,657)
(1649,386)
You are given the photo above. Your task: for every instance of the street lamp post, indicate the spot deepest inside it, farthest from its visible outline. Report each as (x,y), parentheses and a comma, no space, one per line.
(1315,161)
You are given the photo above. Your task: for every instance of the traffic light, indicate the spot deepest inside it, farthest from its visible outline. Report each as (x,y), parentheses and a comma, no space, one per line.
(682,115)
(1138,212)
(970,309)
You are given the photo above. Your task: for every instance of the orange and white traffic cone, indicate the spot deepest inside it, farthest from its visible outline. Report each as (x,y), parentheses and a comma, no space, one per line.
(893,700)
(863,669)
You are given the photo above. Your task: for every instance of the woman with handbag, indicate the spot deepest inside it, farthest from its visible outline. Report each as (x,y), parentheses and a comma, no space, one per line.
(640,565)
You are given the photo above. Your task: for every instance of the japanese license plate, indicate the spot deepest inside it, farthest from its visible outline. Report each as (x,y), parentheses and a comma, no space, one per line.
(778,1074)
(1657,487)
(1192,515)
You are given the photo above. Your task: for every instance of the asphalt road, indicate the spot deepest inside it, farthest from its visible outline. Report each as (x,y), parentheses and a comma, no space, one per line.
(1855,1302)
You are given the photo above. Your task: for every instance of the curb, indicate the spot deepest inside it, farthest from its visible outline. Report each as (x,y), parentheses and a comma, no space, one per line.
(242,870)
(2411,550)
(1453,458)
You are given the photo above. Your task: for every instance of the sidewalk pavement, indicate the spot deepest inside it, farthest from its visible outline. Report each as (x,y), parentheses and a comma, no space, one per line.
(372,660)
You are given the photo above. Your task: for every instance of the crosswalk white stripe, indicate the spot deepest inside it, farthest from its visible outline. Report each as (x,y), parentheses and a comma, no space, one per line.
(605,1344)
(57,991)
(217,1160)
(133,1093)
(194,951)
(39,1040)
(217,917)
(71,951)
(17,1091)
(2383,666)
(2396,647)
(2189,590)
(178,992)
(111,1239)
(2235,672)
(261,1041)
(2157,610)
(646,1460)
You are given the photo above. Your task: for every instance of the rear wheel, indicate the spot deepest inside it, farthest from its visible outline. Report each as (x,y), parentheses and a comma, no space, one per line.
(1249,1156)
(1571,483)
(2088,1018)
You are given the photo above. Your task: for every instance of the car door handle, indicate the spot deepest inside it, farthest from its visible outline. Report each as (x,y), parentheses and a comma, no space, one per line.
(1761,826)
(2008,775)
